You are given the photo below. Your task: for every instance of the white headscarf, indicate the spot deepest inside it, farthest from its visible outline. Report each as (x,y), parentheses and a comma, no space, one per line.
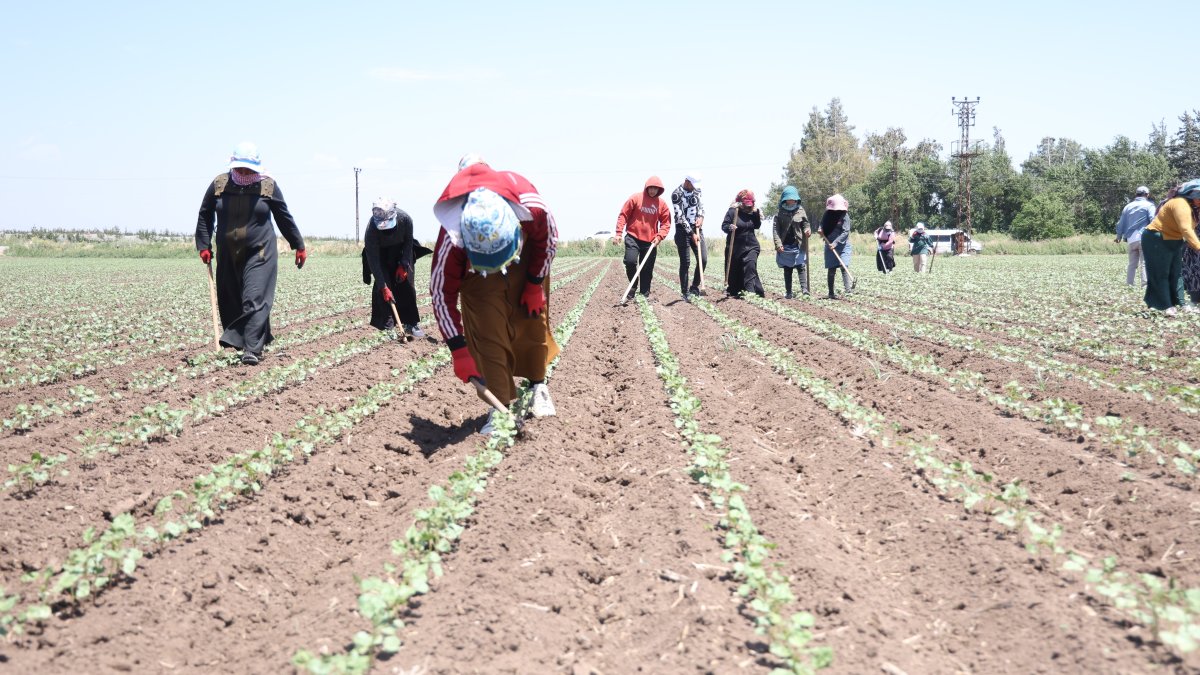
(383,213)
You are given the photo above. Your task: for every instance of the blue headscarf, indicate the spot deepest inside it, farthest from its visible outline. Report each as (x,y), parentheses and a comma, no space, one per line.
(789,192)
(1189,190)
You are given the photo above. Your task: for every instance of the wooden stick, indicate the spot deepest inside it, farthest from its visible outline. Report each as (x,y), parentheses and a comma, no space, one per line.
(933,258)
(839,259)
(212,300)
(729,248)
(487,396)
(638,272)
(399,326)
(700,257)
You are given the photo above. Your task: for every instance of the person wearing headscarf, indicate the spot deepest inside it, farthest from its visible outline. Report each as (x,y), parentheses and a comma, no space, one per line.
(740,225)
(835,230)
(389,254)
(1162,244)
(689,236)
(241,202)
(920,247)
(492,257)
(643,221)
(791,233)
(885,238)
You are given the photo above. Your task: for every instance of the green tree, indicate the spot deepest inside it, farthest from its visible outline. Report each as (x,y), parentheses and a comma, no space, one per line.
(1044,216)
(1184,151)
(828,161)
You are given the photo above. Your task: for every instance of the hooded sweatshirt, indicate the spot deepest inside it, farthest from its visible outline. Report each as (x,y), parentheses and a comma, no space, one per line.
(645,217)
(450,263)
(790,226)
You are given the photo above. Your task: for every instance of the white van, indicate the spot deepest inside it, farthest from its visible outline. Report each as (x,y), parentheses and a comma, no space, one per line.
(954,242)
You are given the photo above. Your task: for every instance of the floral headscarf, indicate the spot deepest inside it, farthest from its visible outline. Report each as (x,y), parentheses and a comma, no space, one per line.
(745,198)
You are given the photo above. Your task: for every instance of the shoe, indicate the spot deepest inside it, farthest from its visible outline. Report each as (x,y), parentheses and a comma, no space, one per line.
(487,427)
(415,331)
(832,296)
(1191,309)
(543,405)
(1170,311)
(687,298)
(250,358)
(788,296)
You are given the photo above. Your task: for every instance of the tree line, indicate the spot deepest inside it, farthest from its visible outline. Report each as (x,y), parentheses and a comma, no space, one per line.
(1062,189)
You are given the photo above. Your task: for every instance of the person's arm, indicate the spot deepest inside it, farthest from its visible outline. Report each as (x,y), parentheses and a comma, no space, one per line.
(538,240)
(445,278)
(284,221)
(727,224)
(204,222)
(843,232)
(699,211)
(374,260)
(756,218)
(775,232)
(664,219)
(623,220)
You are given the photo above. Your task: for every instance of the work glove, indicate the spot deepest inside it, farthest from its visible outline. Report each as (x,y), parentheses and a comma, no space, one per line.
(464,365)
(401,273)
(533,298)
(206,256)
(301,256)
(387,295)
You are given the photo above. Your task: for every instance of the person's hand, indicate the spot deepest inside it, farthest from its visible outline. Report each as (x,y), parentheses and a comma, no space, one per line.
(654,241)
(534,298)
(696,238)
(779,249)
(401,273)
(464,365)
(206,256)
(387,295)
(301,256)
(616,240)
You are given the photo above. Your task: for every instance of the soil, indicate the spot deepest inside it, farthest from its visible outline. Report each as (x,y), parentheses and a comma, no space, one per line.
(592,549)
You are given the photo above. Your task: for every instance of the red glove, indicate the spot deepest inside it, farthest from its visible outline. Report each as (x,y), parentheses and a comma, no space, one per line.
(301,256)
(401,274)
(387,295)
(464,365)
(206,256)
(533,298)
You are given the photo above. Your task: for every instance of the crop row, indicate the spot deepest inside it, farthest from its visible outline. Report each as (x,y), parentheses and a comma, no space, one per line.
(1162,604)
(432,535)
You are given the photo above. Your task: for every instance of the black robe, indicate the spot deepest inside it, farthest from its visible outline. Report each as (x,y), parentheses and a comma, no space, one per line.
(246,258)
(383,252)
(743,272)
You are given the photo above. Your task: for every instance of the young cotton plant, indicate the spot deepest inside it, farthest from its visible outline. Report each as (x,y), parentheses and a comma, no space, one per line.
(767,591)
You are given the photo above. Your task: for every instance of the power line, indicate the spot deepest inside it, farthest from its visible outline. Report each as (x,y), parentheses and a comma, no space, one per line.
(965,152)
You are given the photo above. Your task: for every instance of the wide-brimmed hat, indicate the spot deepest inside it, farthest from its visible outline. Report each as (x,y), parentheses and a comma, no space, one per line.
(491,232)
(246,156)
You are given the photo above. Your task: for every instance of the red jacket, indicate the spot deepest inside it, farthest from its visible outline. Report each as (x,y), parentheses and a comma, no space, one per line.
(450,264)
(643,216)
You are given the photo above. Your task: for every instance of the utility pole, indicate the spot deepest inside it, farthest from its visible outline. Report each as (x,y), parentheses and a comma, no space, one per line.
(356,172)
(895,175)
(964,152)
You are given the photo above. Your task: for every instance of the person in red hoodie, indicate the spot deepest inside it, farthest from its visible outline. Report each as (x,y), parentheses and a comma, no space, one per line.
(644,221)
(493,255)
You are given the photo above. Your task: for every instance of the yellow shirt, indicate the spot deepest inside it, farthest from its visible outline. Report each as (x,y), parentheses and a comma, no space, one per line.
(1174,221)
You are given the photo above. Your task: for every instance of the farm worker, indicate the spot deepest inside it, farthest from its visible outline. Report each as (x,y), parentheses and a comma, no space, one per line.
(1136,215)
(835,230)
(740,224)
(920,246)
(689,236)
(1162,244)
(885,256)
(493,255)
(243,200)
(791,232)
(644,221)
(389,253)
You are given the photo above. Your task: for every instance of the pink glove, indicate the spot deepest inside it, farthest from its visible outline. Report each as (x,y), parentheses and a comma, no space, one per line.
(464,365)
(534,298)
(387,295)
(206,256)
(301,256)
(401,274)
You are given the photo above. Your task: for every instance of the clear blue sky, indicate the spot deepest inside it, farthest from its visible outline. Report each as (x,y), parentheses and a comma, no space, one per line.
(119,113)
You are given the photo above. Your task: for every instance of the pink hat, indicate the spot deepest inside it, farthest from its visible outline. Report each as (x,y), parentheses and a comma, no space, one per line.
(837,203)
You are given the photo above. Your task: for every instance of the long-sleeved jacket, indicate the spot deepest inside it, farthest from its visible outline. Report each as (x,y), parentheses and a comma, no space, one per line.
(688,208)
(243,219)
(399,237)
(1175,222)
(836,228)
(921,243)
(1136,215)
(790,227)
(886,239)
(645,217)
(747,223)
(450,264)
